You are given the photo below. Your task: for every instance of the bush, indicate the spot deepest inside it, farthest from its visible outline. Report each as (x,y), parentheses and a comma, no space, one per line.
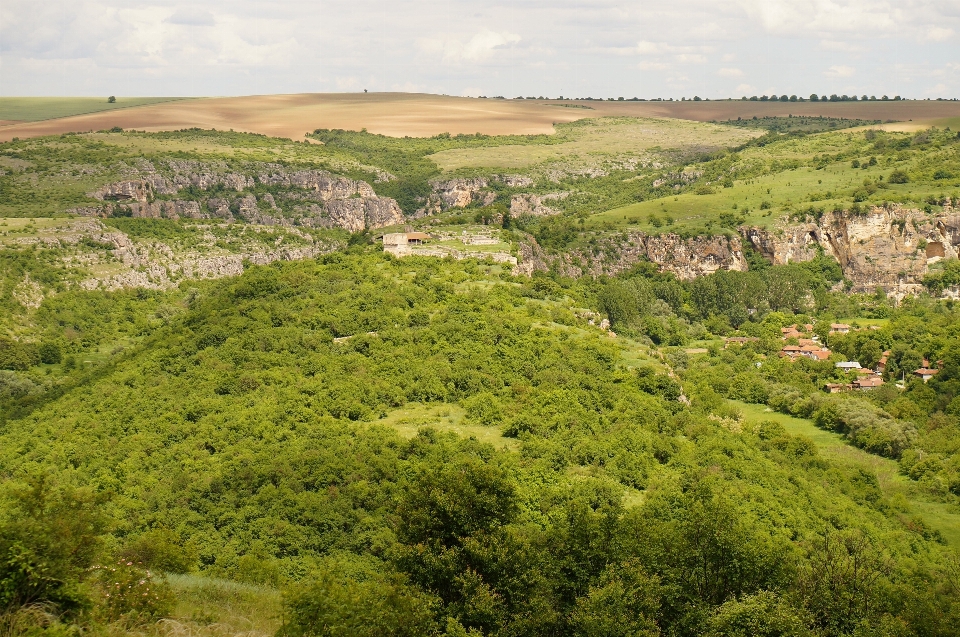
(762,615)
(624,601)
(898,177)
(48,537)
(129,591)
(162,550)
(50,353)
(17,356)
(341,604)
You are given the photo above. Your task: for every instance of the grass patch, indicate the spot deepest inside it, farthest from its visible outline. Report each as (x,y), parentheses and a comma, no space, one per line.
(35,109)
(211,606)
(607,136)
(412,417)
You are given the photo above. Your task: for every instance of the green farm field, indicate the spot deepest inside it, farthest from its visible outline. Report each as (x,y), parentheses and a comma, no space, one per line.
(37,109)
(589,139)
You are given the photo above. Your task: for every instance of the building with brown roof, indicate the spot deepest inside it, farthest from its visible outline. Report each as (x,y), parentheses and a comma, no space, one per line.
(868,382)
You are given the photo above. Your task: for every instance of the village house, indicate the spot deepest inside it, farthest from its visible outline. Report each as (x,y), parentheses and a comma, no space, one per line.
(848,365)
(868,382)
(839,328)
(926,373)
(398,243)
(882,363)
(836,388)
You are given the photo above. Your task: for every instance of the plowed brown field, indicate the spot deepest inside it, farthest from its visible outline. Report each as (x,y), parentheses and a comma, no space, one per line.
(399,114)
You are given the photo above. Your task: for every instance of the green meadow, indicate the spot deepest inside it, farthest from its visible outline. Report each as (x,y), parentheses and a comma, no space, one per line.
(35,109)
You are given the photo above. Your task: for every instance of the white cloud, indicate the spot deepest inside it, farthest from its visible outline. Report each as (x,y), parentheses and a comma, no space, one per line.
(938,34)
(745,88)
(569,47)
(836,45)
(644,47)
(480,47)
(825,16)
(839,70)
(192,16)
(730,72)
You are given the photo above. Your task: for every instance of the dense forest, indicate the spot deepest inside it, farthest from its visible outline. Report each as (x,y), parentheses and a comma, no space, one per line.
(246,432)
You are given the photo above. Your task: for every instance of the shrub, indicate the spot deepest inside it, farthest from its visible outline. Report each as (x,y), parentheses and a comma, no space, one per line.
(898,177)
(338,604)
(764,614)
(162,550)
(624,601)
(50,353)
(48,537)
(131,592)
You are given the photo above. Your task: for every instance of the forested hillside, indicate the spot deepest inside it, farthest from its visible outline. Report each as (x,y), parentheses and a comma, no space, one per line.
(640,377)
(249,432)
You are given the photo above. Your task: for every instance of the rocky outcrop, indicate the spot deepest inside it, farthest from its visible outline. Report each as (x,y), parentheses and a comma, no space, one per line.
(327,185)
(687,258)
(515,181)
(887,247)
(529,205)
(358,214)
(122,191)
(338,202)
(459,193)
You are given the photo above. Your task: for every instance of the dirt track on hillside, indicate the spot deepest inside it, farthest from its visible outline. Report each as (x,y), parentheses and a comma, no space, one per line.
(417,115)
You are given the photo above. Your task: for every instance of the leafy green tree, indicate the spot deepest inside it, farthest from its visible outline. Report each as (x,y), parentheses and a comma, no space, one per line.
(50,353)
(898,177)
(870,353)
(623,602)
(336,603)
(49,537)
(764,614)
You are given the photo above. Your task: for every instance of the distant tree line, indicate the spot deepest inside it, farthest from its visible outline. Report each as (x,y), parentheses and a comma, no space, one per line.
(820,98)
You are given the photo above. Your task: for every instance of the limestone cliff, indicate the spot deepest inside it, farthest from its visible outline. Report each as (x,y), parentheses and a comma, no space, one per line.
(687,258)
(887,247)
(311,198)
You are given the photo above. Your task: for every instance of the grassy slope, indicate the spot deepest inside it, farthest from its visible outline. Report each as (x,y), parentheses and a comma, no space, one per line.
(939,516)
(589,138)
(35,109)
(792,189)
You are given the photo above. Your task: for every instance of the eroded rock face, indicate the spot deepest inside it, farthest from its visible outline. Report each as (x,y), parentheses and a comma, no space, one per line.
(516,181)
(459,193)
(686,258)
(365,212)
(888,247)
(529,205)
(123,191)
(339,202)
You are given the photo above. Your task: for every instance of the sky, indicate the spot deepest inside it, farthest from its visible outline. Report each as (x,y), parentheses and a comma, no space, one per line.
(575,48)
